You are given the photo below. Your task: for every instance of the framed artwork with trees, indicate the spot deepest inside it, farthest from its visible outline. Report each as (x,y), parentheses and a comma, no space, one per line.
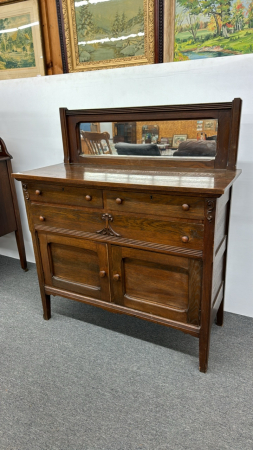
(106,34)
(197,29)
(21,52)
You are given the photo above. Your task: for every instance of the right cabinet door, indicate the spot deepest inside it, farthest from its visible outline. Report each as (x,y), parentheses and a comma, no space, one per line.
(159,284)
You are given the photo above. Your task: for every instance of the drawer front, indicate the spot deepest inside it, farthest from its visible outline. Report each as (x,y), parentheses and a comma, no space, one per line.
(67,195)
(174,233)
(63,217)
(165,205)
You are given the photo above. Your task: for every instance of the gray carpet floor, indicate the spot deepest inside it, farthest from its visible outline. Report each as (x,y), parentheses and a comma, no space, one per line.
(91,380)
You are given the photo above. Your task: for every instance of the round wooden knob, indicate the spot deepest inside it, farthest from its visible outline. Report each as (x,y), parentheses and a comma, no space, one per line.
(185,239)
(88,198)
(118,201)
(185,207)
(116,277)
(37,192)
(102,273)
(42,218)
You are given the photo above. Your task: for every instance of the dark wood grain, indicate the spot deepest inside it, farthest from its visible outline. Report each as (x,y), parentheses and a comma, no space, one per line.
(137,237)
(205,319)
(144,203)
(228,115)
(75,265)
(126,226)
(191,181)
(9,210)
(72,196)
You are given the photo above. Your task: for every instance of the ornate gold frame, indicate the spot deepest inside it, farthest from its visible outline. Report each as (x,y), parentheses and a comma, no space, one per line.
(70,34)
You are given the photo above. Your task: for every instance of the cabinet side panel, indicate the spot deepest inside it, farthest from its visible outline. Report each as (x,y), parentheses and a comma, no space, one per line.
(220,251)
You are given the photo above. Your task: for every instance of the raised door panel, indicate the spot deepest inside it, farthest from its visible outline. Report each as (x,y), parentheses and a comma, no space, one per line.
(75,265)
(163,285)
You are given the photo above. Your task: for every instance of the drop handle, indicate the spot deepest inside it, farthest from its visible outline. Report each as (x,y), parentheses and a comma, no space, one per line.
(185,207)
(88,198)
(118,201)
(185,239)
(116,277)
(38,192)
(42,219)
(102,273)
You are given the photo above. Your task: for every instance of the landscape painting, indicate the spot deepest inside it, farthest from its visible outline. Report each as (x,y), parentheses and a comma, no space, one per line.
(109,29)
(211,28)
(17,46)
(21,52)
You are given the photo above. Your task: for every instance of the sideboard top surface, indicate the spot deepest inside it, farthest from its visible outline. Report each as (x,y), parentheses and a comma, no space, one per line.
(208,182)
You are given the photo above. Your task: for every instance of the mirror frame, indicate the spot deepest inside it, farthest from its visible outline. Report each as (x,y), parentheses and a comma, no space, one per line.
(228,115)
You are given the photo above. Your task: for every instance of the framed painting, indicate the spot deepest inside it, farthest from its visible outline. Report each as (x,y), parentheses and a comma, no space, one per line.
(197,30)
(20,40)
(102,34)
(177,139)
(209,124)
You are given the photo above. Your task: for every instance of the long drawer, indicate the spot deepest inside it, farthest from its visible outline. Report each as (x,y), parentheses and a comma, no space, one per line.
(67,195)
(156,204)
(175,233)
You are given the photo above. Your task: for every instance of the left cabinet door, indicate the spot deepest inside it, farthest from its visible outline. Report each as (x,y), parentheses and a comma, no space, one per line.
(75,265)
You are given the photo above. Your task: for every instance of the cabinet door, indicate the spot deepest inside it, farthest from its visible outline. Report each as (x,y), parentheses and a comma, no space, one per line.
(75,265)
(163,285)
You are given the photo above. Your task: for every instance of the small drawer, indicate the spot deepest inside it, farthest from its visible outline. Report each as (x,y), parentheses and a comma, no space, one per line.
(67,195)
(66,218)
(155,204)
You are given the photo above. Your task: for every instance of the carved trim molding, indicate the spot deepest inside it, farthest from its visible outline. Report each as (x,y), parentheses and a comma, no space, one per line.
(209,211)
(122,241)
(62,39)
(26,193)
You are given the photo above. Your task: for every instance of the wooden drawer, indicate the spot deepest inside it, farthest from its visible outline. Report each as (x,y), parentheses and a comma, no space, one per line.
(156,204)
(120,225)
(67,195)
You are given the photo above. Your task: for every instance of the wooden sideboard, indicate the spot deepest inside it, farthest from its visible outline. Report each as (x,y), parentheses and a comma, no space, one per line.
(9,211)
(146,238)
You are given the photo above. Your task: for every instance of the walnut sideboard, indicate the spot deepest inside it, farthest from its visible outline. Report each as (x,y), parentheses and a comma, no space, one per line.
(144,236)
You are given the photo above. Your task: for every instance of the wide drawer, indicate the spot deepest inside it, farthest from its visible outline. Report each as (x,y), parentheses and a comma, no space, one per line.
(67,195)
(174,233)
(156,204)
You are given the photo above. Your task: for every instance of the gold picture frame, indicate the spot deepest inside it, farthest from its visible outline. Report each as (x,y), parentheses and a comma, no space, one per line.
(20,40)
(91,56)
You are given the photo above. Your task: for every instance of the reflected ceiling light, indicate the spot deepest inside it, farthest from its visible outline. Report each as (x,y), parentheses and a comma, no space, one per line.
(87,2)
(121,38)
(11,30)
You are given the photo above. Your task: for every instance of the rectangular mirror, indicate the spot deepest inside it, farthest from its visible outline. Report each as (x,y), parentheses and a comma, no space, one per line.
(167,138)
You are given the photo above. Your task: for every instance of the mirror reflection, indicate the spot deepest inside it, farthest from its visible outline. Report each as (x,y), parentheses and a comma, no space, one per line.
(170,138)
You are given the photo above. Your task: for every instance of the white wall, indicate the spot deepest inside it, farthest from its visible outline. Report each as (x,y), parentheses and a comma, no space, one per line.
(30,127)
